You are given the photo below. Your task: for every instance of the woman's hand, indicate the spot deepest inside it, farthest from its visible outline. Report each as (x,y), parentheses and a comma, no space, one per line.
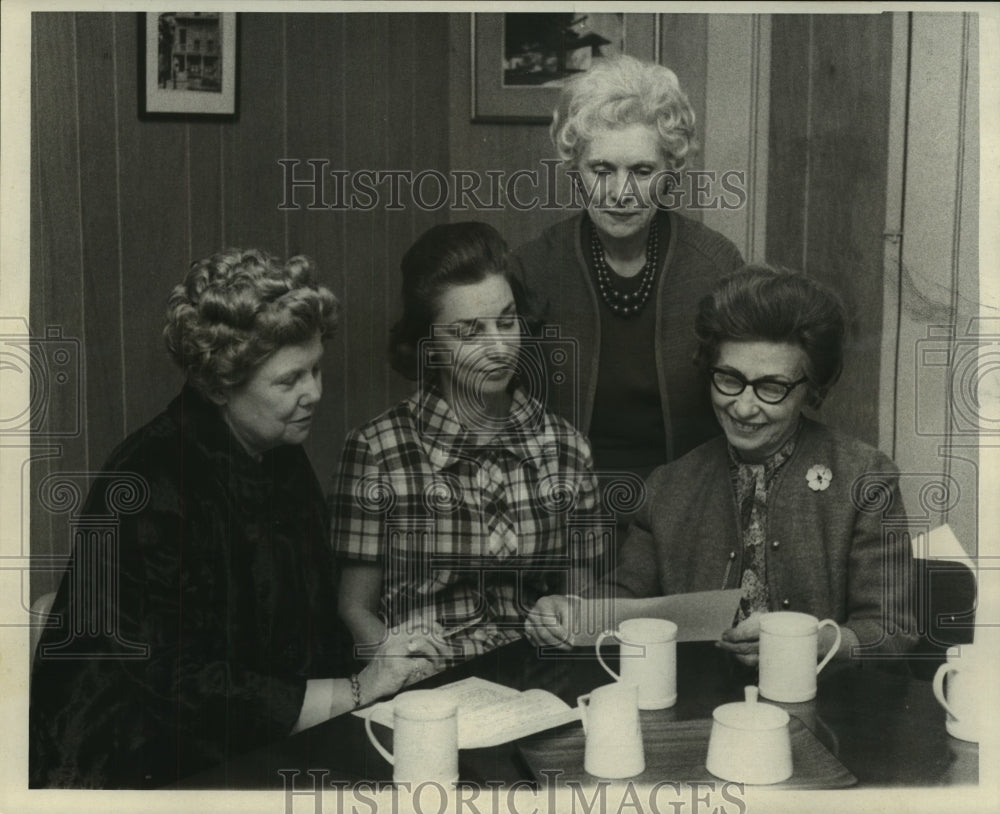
(743,641)
(548,623)
(407,655)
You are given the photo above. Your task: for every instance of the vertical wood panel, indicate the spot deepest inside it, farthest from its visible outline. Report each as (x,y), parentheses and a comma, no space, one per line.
(401,111)
(830,100)
(364,244)
(427,111)
(57,274)
(251,195)
(896,161)
(204,183)
(316,128)
(155,240)
(736,135)
(402,108)
(390,152)
(99,216)
(847,171)
(788,144)
(684,49)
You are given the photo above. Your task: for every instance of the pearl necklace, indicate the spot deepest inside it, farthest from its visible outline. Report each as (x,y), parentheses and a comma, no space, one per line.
(621,303)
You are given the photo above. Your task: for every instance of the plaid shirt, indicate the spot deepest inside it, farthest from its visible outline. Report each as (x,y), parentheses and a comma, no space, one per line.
(471,530)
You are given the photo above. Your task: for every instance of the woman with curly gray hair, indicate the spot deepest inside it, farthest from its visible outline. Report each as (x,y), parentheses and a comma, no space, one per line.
(221,581)
(623,276)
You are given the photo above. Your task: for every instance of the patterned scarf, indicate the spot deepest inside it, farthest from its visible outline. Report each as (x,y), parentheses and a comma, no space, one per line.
(752,482)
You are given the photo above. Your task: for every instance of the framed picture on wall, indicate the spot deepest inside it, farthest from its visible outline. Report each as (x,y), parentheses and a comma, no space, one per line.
(519,60)
(188,65)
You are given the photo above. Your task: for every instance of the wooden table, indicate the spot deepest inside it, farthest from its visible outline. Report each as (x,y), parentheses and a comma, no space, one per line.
(886,729)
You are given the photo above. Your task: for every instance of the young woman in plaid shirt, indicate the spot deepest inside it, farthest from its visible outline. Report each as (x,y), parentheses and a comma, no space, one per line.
(459,507)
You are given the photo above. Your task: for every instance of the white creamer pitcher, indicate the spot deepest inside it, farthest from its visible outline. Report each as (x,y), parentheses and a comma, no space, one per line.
(610,716)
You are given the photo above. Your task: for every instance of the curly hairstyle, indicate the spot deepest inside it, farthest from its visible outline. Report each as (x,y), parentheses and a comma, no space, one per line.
(621,91)
(759,303)
(236,308)
(450,254)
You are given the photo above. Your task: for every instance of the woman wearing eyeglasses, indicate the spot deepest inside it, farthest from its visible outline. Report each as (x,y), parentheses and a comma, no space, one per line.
(782,507)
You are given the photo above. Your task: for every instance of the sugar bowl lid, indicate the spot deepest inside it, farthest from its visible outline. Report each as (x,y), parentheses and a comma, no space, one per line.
(750,714)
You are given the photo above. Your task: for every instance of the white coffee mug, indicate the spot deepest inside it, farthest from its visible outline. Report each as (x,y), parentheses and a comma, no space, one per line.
(963,698)
(425,738)
(648,659)
(750,742)
(788,645)
(610,717)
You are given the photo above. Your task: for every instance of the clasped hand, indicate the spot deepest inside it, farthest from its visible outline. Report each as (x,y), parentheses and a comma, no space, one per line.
(408,654)
(548,622)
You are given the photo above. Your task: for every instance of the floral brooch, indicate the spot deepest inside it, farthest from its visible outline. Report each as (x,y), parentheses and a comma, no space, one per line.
(818,477)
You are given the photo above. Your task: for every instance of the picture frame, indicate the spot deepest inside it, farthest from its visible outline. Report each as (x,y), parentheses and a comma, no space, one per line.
(188,66)
(519,60)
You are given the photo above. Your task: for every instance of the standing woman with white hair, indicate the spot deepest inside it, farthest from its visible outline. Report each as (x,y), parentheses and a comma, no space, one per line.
(624,276)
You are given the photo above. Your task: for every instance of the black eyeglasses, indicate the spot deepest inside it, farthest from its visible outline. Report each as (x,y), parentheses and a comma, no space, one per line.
(770,391)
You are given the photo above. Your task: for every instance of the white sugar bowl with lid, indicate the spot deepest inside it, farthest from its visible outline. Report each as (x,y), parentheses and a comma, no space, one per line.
(750,742)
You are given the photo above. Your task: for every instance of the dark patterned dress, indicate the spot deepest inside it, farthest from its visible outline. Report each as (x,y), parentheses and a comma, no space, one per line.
(216,604)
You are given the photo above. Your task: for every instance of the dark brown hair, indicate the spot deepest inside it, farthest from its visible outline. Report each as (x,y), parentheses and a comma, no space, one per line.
(450,254)
(759,303)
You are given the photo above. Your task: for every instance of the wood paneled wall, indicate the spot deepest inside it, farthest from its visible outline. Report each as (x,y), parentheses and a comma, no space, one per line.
(827,175)
(120,207)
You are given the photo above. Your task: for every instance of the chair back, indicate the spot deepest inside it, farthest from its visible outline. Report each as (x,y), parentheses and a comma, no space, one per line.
(945,599)
(40,610)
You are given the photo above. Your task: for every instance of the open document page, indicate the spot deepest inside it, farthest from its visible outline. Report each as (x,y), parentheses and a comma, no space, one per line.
(490,714)
(700,616)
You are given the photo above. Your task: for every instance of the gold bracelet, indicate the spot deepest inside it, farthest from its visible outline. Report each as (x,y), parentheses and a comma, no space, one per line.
(356,689)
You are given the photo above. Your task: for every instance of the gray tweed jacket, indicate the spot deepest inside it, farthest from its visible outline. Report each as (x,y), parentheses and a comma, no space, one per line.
(842,552)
